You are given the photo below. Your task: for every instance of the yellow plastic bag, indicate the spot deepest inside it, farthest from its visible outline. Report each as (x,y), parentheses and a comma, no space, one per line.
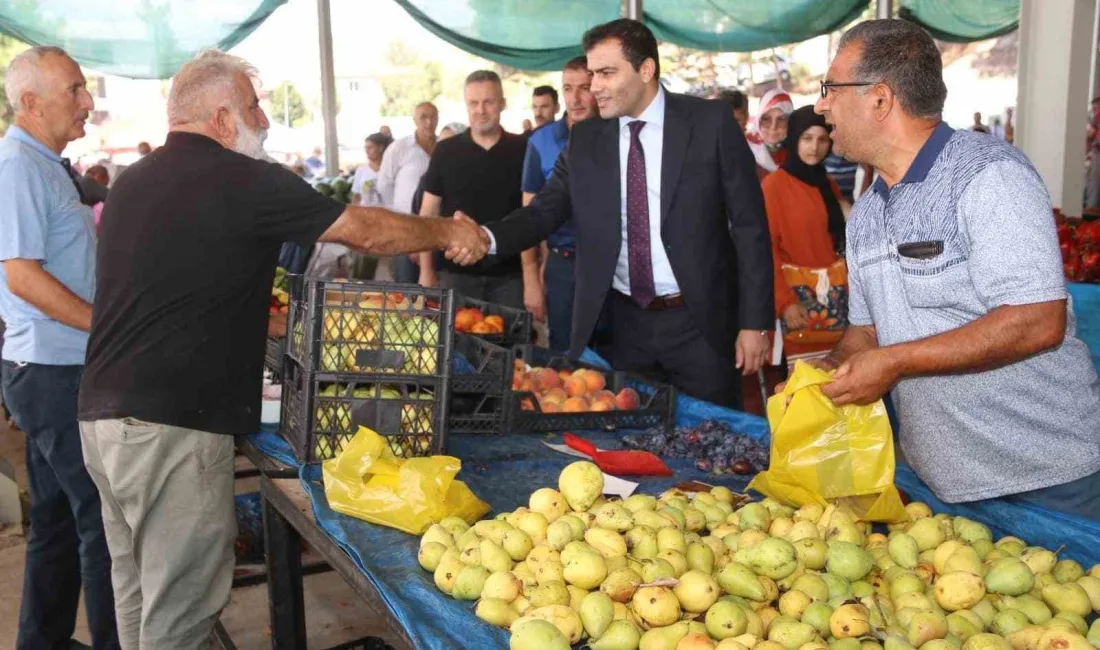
(823,453)
(368,482)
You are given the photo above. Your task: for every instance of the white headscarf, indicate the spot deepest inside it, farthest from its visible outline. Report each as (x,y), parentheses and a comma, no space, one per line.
(774,98)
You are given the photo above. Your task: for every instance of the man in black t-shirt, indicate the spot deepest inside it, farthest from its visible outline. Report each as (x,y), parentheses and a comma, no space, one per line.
(186,257)
(479,173)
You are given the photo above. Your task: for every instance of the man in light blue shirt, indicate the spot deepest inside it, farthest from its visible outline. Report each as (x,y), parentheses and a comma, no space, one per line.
(47,282)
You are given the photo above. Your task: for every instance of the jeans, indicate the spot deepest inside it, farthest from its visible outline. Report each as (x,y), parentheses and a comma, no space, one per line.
(66,545)
(405,270)
(1080,497)
(559,300)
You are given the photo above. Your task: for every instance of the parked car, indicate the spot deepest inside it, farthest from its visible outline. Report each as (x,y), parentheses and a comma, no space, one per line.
(764,69)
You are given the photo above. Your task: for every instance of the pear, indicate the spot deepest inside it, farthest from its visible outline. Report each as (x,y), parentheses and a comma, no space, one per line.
(1091,585)
(918,510)
(447,571)
(675,515)
(503,585)
(928,533)
(565,619)
(620,585)
(496,612)
(739,580)
(1094,633)
(641,542)
(813,586)
(986,642)
(1061,639)
(963,626)
(657,569)
(585,570)
(862,589)
(793,603)
(725,620)
(846,644)
(983,547)
(663,638)
(958,590)
(700,557)
(985,610)
(926,626)
(549,502)
(802,530)
(773,557)
(576,595)
(469,583)
(1008,621)
(491,529)
(1078,623)
(549,572)
(613,516)
(558,534)
(676,559)
(573,549)
(696,591)
(848,560)
(657,606)
(1014,546)
(790,634)
(1026,638)
(652,520)
(1009,576)
(608,542)
(455,525)
(550,593)
(534,524)
(1035,609)
(576,523)
(964,559)
(1067,571)
(1070,597)
(429,555)
(938,644)
(812,552)
(620,635)
(916,601)
(671,539)
(1039,559)
(818,615)
(810,512)
(904,550)
(780,527)
(596,612)
(536,634)
(438,534)
(524,574)
(850,621)
(694,519)
(971,531)
(637,502)
(581,483)
(494,558)
(754,516)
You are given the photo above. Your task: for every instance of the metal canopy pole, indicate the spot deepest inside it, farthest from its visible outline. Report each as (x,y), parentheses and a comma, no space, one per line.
(884,9)
(328,87)
(632,9)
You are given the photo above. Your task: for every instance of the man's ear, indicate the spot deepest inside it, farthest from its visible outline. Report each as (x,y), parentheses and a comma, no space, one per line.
(224,124)
(29,102)
(648,69)
(884,101)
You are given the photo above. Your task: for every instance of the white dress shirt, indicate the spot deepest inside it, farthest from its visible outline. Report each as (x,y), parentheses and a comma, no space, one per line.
(402,166)
(652,139)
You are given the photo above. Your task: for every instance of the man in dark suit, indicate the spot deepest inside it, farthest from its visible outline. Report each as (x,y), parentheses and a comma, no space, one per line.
(672,238)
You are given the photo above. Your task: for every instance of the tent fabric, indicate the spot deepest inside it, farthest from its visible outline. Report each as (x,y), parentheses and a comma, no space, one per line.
(963,22)
(544,35)
(140,39)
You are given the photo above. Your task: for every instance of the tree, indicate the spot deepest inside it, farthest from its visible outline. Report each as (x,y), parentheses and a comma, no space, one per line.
(287,106)
(409,81)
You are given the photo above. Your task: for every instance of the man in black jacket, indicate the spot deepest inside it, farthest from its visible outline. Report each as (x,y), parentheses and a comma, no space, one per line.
(672,237)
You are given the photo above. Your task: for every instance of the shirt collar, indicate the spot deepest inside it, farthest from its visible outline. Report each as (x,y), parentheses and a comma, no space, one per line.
(17,133)
(922,164)
(188,139)
(653,114)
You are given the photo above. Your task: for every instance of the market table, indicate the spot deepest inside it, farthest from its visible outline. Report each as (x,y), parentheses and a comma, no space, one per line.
(1086,305)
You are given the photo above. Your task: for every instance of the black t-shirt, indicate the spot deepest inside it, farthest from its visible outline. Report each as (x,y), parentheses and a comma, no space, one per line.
(483,183)
(187,250)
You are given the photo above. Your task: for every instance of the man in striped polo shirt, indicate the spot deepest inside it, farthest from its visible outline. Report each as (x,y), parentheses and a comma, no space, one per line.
(958,304)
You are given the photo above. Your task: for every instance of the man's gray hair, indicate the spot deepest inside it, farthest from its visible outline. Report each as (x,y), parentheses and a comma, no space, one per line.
(903,56)
(23,73)
(205,84)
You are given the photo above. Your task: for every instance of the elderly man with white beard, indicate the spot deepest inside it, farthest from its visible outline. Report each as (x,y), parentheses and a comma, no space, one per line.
(188,248)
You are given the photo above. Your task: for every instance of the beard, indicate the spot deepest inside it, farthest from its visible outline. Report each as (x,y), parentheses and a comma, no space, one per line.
(250,143)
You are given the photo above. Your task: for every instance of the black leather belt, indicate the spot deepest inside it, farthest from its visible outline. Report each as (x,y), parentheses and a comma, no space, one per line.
(660,303)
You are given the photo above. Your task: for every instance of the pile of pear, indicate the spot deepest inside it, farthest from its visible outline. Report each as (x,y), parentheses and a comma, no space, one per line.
(688,571)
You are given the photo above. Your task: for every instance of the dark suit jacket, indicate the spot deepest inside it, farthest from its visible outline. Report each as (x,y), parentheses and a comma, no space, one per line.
(713,223)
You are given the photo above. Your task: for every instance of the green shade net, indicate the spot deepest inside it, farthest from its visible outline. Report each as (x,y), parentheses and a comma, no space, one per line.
(141,39)
(544,34)
(963,21)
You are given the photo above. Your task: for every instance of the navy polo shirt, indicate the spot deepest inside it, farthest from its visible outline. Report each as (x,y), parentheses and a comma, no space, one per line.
(543,148)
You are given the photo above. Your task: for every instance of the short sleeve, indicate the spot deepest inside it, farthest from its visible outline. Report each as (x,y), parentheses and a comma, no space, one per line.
(433,178)
(285,207)
(23,212)
(858,313)
(533,178)
(1014,253)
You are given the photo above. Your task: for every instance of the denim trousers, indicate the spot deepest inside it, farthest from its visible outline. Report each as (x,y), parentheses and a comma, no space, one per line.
(559,300)
(66,544)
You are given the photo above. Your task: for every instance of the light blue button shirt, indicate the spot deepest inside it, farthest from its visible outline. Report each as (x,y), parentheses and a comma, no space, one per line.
(42,218)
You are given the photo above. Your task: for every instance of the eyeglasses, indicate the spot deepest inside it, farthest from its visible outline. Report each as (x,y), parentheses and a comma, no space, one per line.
(779,121)
(826,85)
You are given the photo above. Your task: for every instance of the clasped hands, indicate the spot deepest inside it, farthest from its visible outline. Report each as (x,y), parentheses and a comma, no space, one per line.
(468,242)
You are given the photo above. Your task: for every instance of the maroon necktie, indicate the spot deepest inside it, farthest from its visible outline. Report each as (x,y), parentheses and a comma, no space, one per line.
(637,222)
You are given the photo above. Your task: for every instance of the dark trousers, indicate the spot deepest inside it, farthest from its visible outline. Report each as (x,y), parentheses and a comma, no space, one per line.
(1080,497)
(559,300)
(668,347)
(504,290)
(66,545)
(405,270)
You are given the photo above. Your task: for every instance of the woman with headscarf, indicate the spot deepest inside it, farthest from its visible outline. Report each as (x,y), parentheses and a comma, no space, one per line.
(767,132)
(807,230)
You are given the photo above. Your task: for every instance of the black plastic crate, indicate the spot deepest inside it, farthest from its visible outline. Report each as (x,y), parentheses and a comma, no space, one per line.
(656,404)
(517,322)
(479,386)
(397,332)
(273,355)
(320,415)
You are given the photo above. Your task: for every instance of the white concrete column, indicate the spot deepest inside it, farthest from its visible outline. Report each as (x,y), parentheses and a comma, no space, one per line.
(1056,45)
(632,9)
(328,87)
(884,9)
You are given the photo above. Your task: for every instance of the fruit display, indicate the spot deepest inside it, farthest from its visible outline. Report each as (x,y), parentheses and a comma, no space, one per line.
(338,188)
(1080,244)
(471,320)
(686,571)
(334,417)
(712,445)
(570,391)
(280,299)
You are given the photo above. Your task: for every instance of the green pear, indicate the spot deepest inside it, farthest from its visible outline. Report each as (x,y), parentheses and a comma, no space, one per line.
(789,633)
(983,547)
(675,515)
(614,517)
(1026,638)
(657,606)
(838,587)
(581,483)
(739,580)
(652,520)
(939,644)
(503,585)
(1039,559)
(773,557)
(637,502)
(1070,597)
(1094,634)
(1012,545)
(1067,571)
(696,591)
(962,626)
(958,590)
(904,550)
(848,561)
(964,559)
(986,642)
(438,534)
(818,615)
(1074,620)
(694,519)
(553,592)
(700,557)
(845,644)
(496,612)
(536,634)
(676,559)
(455,525)
(585,570)
(469,583)
(558,534)
(1061,639)
(620,635)
(608,542)
(793,603)
(492,529)
(812,552)
(620,585)
(986,611)
(671,539)
(754,516)
(1009,621)
(1035,609)
(813,586)
(725,620)
(1009,576)
(1091,585)
(494,558)
(596,612)
(429,555)
(657,569)
(926,626)
(928,533)
(447,571)
(970,531)
(663,638)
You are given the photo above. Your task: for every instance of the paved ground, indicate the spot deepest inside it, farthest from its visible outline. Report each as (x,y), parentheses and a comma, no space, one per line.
(334,613)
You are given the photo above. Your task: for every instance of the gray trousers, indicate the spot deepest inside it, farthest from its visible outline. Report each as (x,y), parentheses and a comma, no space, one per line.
(1092,184)
(168,511)
(504,290)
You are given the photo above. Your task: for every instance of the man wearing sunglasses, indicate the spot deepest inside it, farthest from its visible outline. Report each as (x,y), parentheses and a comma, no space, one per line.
(958,304)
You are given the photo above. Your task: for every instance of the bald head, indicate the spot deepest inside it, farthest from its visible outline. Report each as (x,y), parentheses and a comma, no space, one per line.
(49,95)
(426,118)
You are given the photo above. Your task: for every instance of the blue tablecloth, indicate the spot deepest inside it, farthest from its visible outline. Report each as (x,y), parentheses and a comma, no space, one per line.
(1086,304)
(504,470)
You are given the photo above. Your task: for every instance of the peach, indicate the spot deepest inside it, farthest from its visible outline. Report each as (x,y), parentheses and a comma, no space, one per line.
(556,395)
(527,405)
(464,320)
(627,399)
(602,405)
(594,380)
(575,386)
(604,395)
(481,327)
(550,407)
(549,379)
(496,322)
(575,405)
(517,382)
(565,374)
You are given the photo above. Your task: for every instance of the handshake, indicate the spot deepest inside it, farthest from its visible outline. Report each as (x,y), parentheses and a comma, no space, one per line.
(467,242)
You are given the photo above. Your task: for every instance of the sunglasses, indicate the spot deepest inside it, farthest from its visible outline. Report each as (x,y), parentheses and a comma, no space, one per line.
(826,85)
